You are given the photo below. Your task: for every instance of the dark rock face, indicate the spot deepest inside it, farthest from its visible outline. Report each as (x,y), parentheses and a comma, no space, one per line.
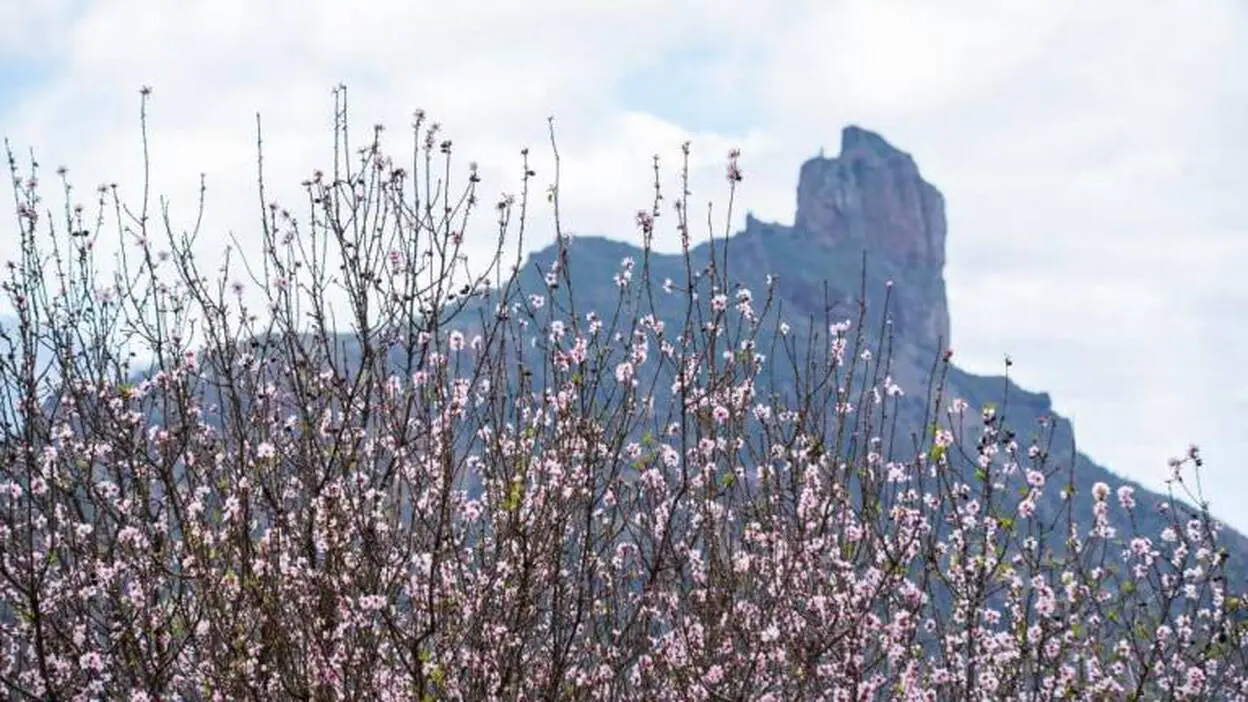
(872,197)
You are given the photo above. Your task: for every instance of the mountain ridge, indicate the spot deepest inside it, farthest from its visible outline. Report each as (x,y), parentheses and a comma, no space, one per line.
(869,203)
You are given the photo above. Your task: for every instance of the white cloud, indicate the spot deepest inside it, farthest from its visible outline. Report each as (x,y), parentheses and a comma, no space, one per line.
(1090,154)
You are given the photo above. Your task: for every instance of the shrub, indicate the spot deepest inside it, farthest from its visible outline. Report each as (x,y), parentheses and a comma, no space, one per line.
(471,489)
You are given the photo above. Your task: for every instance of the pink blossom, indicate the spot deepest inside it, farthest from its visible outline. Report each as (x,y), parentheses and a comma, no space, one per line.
(1100,491)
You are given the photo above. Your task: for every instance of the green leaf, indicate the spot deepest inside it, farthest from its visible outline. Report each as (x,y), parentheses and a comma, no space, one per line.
(515,495)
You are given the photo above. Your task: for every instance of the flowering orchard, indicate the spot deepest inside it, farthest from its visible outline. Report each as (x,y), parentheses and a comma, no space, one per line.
(404,479)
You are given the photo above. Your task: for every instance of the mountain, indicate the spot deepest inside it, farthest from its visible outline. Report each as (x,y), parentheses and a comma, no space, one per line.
(869,203)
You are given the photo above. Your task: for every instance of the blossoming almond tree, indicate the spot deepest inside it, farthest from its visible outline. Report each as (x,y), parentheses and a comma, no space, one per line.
(464,487)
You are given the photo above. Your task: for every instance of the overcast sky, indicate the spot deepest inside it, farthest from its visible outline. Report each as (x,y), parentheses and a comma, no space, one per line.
(1092,154)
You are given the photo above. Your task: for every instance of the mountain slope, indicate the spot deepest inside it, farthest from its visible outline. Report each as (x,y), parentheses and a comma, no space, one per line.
(867,204)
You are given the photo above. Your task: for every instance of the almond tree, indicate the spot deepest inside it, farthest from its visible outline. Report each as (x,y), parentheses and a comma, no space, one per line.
(402,478)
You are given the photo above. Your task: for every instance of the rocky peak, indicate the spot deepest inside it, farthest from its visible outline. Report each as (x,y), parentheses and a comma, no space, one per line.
(871,197)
